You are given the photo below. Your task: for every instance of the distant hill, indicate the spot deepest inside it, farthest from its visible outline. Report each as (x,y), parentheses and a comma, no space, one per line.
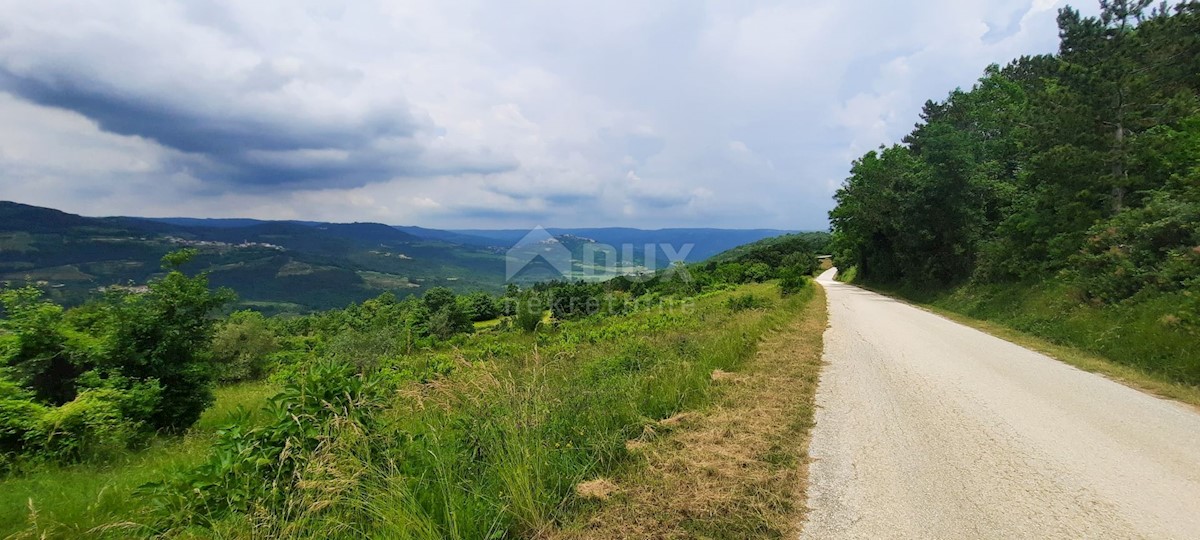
(706,242)
(273,265)
(305,265)
(773,250)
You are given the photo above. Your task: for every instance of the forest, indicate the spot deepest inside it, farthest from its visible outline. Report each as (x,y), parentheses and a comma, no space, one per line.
(444,415)
(1059,195)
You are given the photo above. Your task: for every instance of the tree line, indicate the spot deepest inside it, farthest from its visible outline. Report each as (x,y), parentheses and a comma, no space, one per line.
(1083,165)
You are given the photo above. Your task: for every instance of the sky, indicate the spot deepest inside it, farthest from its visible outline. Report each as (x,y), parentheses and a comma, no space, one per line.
(478,114)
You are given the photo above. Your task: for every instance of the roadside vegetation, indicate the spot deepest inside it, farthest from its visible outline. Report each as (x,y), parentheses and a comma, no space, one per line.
(1060,196)
(441,416)
(733,469)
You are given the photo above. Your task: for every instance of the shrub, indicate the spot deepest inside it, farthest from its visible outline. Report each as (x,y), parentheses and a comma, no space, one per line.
(90,427)
(35,345)
(758,272)
(270,467)
(450,319)
(242,345)
(530,311)
(744,302)
(794,280)
(1156,247)
(480,306)
(19,415)
(166,335)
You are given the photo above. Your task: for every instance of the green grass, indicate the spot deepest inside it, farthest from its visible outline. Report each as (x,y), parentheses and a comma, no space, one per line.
(69,501)
(510,440)
(490,323)
(494,449)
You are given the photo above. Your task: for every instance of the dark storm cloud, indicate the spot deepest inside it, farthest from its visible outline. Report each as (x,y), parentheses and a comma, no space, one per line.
(193,131)
(255,152)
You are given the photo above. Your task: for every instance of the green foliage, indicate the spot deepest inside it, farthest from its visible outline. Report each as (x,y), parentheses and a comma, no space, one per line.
(111,370)
(530,310)
(795,279)
(786,257)
(446,315)
(38,350)
(165,335)
(19,415)
(849,275)
(577,299)
(1036,162)
(744,302)
(91,426)
(480,306)
(377,434)
(1080,167)
(1152,248)
(282,464)
(758,272)
(242,346)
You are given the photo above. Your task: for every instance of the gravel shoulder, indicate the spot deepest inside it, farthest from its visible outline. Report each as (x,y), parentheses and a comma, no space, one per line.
(926,428)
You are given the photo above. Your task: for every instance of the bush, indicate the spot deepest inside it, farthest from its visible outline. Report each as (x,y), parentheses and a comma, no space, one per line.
(795,279)
(90,427)
(480,306)
(744,302)
(316,416)
(19,415)
(242,345)
(37,346)
(530,312)
(166,335)
(1156,247)
(758,272)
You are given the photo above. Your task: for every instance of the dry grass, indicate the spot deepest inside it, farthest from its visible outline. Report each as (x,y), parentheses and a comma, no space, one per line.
(736,470)
(600,489)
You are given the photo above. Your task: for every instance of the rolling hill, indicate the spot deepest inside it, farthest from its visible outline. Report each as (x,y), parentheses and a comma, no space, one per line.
(300,266)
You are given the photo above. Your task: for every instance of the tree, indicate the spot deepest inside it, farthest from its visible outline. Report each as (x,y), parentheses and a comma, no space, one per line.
(1082,162)
(35,346)
(480,306)
(165,335)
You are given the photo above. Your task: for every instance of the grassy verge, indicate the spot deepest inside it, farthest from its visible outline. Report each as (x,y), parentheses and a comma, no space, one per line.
(733,469)
(1133,343)
(498,437)
(69,502)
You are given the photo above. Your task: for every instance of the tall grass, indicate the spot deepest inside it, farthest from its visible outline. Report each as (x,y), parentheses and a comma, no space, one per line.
(492,448)
(500,456)
(70,501)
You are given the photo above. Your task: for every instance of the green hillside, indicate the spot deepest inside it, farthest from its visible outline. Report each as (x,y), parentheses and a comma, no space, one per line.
(273,266)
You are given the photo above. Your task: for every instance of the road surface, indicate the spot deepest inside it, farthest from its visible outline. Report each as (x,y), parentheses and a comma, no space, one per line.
(929,429)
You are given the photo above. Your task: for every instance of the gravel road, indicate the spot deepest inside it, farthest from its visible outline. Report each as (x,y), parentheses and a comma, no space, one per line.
(926,428)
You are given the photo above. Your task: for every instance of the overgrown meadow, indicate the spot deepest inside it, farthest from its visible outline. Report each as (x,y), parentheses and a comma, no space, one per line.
(443,416)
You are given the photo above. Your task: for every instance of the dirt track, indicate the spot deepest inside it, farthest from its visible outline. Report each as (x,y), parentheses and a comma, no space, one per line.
(929,429)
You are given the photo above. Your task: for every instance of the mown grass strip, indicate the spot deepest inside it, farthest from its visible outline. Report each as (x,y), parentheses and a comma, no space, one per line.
(735,469)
